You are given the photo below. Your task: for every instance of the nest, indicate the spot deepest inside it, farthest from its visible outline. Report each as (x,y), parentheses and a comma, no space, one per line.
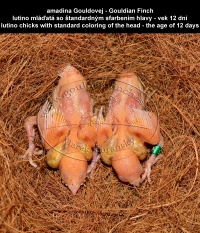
(35,200)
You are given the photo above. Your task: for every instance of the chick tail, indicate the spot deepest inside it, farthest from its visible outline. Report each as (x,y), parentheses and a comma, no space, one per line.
(74,188)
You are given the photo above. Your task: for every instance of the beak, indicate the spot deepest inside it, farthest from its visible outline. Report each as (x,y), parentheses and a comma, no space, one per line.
(74,188)
(136,182)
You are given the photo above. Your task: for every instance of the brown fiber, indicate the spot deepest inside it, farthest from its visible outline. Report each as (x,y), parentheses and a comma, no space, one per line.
(35,200)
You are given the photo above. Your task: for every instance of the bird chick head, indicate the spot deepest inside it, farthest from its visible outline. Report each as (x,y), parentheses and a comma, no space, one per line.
(73,170)
(127,166)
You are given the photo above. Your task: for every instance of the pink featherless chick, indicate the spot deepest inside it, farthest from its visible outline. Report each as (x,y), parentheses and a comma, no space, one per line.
(122,135)
(67,130)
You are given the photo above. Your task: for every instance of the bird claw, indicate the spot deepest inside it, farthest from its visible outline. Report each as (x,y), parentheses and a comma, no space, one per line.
(147,172)
(29,153)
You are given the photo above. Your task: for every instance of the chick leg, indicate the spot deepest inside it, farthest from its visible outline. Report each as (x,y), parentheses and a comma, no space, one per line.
(151,161)
(29,123)
(91,168)
(147,171)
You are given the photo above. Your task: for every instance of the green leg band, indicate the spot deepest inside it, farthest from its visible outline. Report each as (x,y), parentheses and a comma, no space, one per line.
(156,150)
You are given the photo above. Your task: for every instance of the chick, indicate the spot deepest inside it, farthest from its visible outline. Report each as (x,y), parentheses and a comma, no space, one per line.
(67,129)
(122,135)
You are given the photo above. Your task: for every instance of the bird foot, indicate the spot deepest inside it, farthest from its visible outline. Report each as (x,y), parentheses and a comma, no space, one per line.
(147,170)
(29,153)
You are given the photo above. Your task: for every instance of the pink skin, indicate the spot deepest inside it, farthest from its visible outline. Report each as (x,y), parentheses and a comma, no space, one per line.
(91,168)
(73,172)
(72,107)
(129,169)
(127,166)
(151,161)
(126,106)
(29,124)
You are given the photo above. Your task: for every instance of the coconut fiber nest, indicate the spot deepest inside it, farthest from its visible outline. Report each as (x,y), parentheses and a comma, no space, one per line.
(35,200)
